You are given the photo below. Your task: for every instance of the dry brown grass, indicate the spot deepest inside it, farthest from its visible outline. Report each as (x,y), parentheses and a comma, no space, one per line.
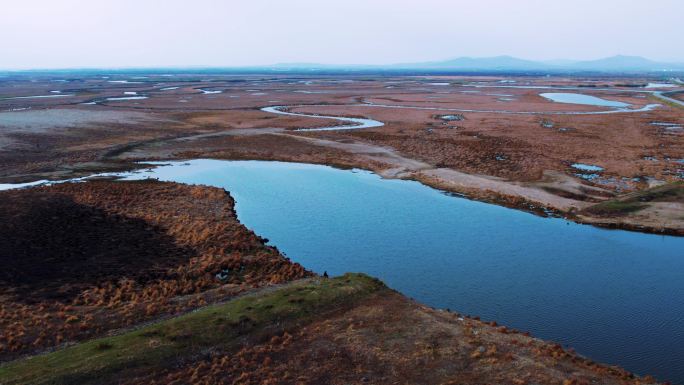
(82,259)
(388,339)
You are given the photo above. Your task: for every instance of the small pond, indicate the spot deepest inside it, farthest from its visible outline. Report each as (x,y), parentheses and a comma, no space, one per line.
(582,99)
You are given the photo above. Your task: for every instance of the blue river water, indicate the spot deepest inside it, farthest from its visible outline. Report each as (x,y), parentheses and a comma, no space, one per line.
(614,296)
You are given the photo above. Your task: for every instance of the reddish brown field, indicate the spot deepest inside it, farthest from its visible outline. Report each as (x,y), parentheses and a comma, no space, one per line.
(511,146)
(518,147)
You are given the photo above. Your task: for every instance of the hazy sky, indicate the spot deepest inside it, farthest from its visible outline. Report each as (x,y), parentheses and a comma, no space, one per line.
(120,33)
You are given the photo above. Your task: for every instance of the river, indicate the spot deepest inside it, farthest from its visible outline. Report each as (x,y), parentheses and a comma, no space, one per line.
(615,296)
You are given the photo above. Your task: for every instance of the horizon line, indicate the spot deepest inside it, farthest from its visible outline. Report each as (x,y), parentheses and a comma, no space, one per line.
(546,62)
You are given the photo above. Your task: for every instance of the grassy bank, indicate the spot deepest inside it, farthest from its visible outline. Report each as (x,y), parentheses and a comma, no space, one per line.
(168,343)
(630,203)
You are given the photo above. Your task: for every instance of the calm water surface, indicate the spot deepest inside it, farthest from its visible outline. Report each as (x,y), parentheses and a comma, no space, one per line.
(615,296)
(582,99)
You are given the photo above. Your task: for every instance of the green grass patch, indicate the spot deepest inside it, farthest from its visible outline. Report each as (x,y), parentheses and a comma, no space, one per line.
(166,343)
(673,192)
(616,208)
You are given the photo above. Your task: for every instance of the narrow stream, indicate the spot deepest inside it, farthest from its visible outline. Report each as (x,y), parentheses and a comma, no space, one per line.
(356,123)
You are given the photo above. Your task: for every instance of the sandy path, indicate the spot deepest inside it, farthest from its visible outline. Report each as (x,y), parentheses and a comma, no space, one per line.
(401,167)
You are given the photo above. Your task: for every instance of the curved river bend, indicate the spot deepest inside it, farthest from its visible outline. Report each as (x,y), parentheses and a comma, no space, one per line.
(356,123)
(615,296)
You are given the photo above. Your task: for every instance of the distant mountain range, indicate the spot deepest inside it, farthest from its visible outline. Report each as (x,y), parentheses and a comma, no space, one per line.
(617,63)
(614,64)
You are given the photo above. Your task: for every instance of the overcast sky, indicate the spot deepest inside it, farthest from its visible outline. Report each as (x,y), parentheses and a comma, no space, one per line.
(125,33)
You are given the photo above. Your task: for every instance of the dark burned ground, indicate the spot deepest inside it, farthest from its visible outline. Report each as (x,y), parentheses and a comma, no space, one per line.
(54,248)
(81,259)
